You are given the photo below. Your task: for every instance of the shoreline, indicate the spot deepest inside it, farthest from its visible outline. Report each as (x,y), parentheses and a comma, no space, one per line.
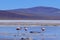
(31,22)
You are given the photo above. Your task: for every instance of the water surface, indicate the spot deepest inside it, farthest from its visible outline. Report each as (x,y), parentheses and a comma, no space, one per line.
(50,33)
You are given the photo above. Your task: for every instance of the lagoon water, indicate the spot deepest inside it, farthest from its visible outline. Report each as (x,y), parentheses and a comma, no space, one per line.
(50,33)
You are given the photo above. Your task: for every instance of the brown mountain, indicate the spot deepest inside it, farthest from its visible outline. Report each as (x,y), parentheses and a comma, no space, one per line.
(35,13)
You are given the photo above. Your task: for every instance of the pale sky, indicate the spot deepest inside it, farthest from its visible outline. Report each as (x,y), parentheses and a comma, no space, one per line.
(15,4)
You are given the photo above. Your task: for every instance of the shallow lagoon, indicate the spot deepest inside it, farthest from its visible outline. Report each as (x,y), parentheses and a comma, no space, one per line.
(50,33)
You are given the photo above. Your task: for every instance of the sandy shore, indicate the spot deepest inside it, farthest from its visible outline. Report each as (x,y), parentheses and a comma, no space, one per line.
(31,22)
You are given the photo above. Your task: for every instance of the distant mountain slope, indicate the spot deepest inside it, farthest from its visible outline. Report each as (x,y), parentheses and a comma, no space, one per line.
(35,13)
(9,15)
(49,11)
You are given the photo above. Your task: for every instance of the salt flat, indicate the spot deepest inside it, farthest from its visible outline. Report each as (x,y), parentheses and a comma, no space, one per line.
(31,22)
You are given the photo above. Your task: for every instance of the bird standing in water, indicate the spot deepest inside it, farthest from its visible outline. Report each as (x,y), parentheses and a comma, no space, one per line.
(43,29)
(25,28)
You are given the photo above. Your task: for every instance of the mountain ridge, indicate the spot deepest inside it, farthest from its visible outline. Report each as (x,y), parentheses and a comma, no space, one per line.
(35,13)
